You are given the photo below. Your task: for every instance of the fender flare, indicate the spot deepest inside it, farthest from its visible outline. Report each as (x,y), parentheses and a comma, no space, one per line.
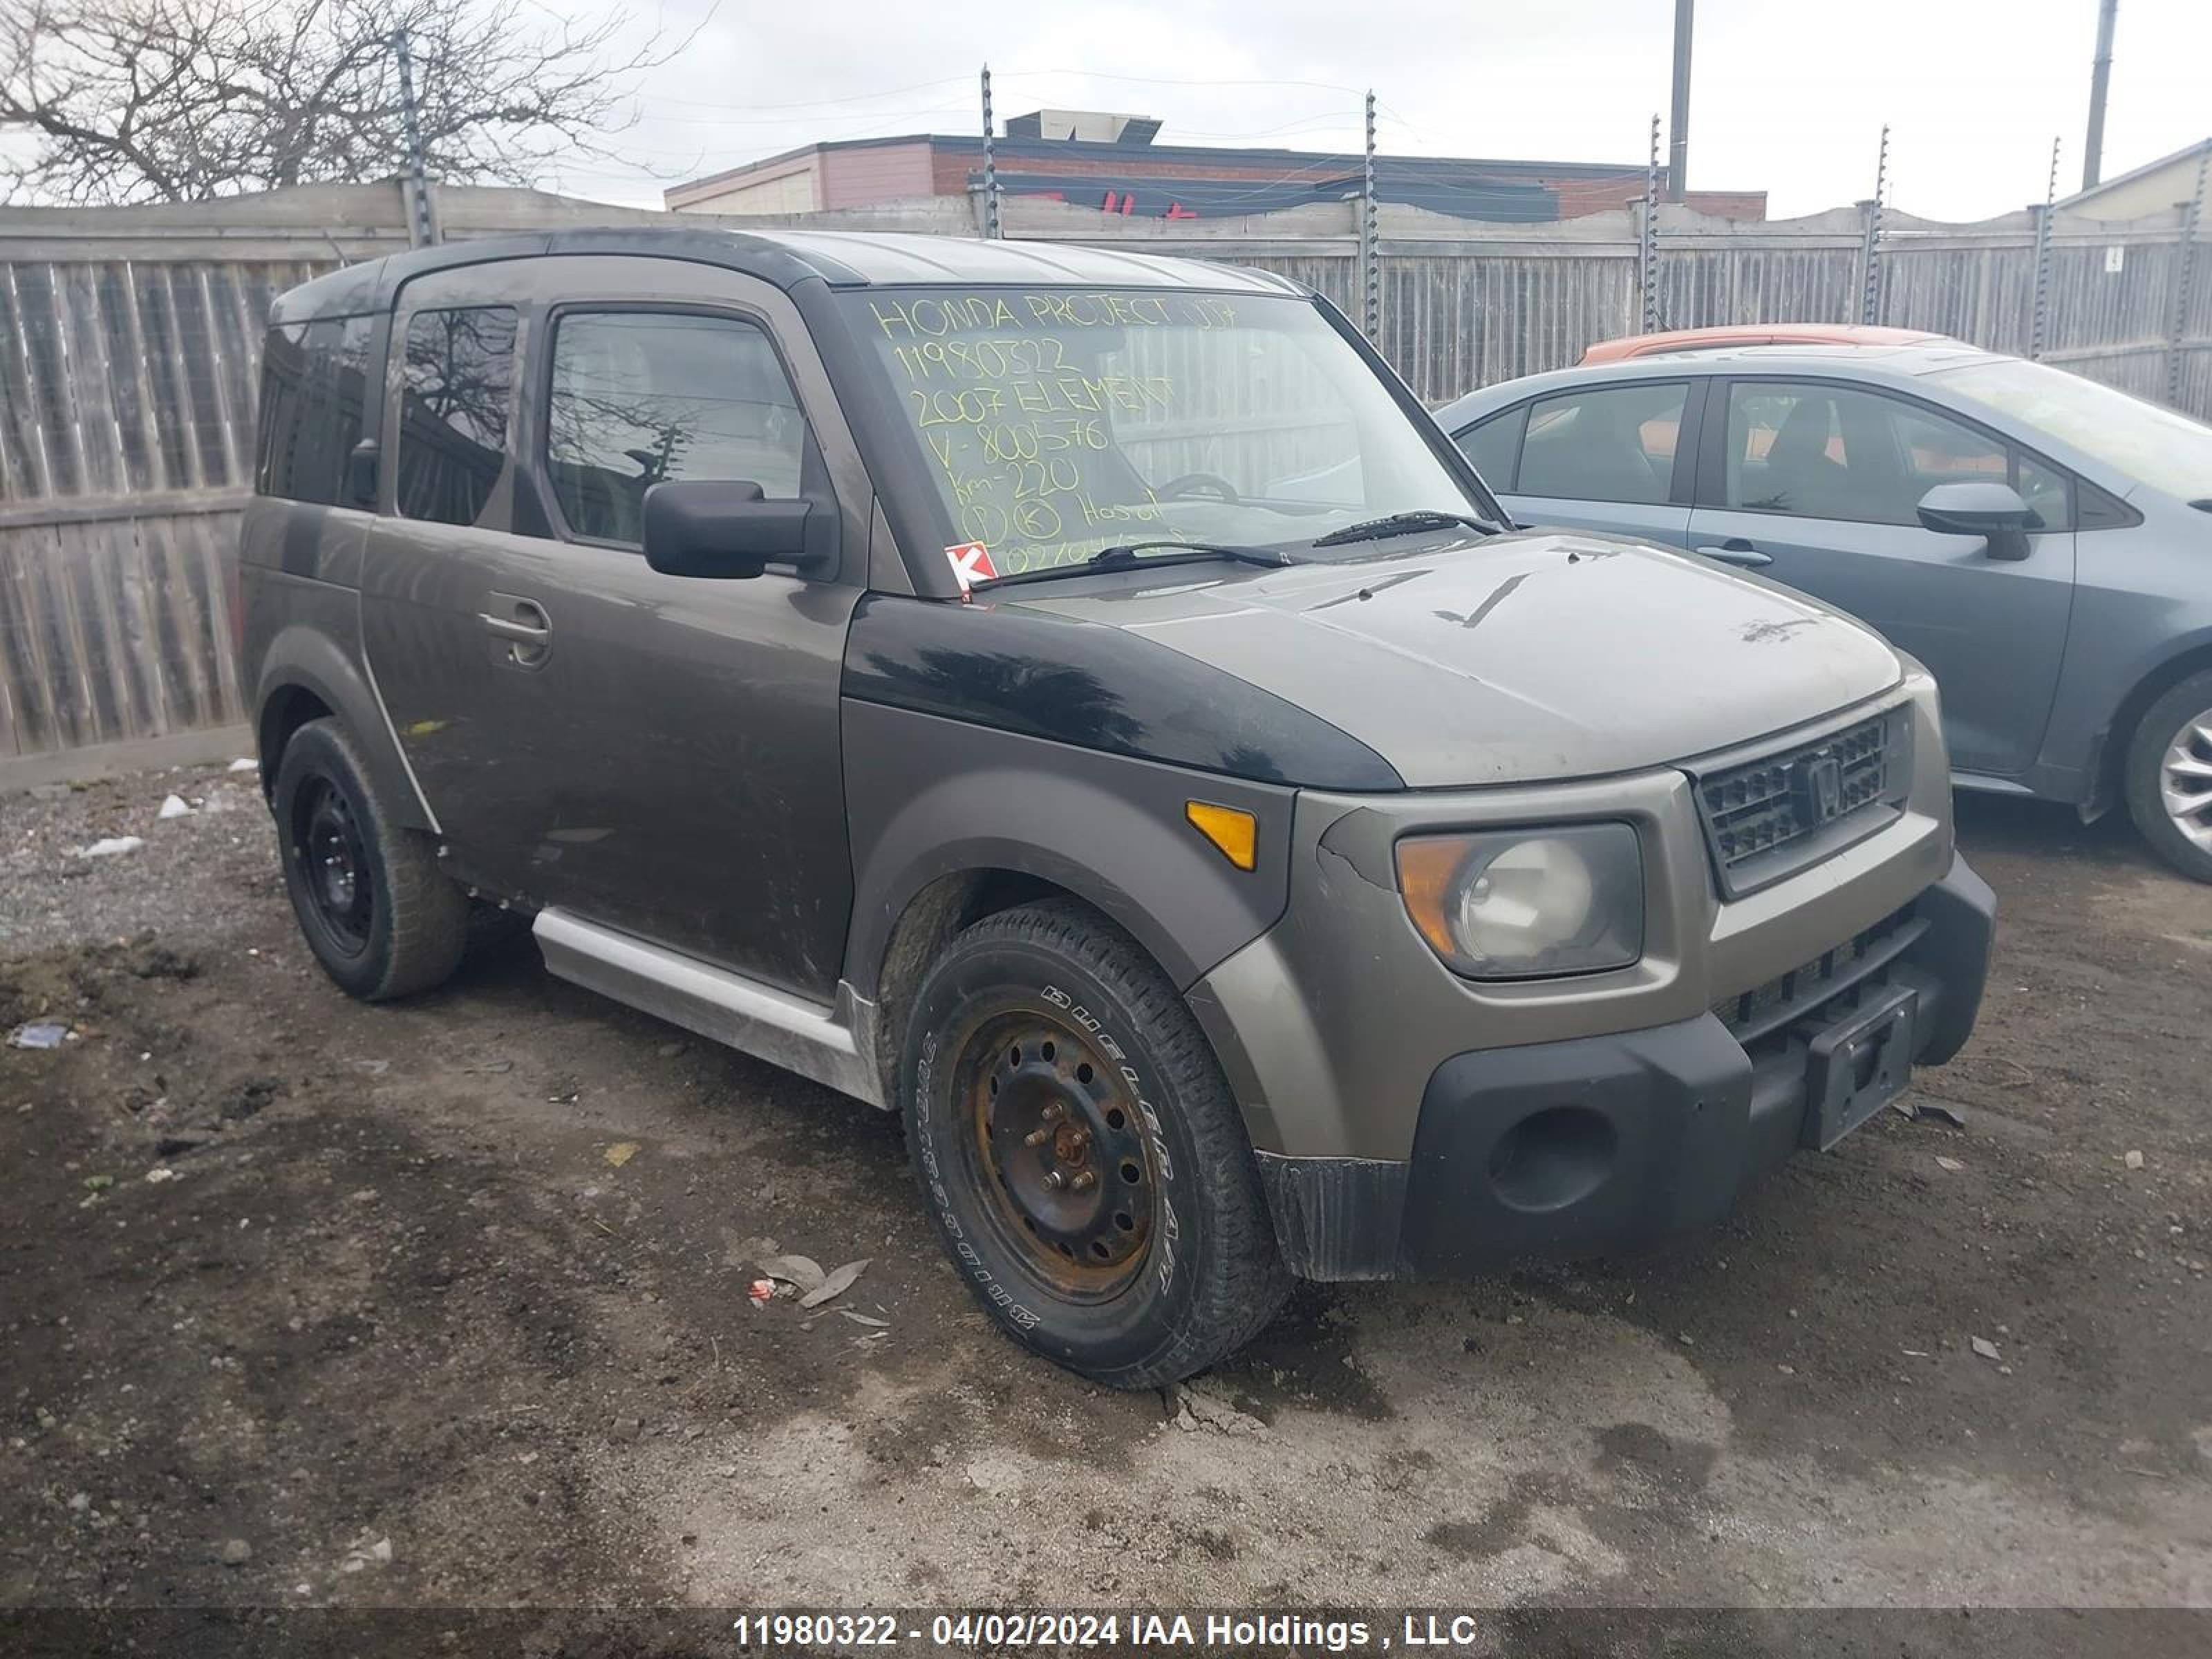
(308,660)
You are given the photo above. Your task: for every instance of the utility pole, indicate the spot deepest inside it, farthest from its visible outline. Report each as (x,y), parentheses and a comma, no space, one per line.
(991,232)
(422,228)
(1370,261)
(1678,132)
(2100,80)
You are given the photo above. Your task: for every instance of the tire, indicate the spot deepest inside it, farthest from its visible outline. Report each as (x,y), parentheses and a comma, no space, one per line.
(381,917)
(1131,1282)
(2172,749)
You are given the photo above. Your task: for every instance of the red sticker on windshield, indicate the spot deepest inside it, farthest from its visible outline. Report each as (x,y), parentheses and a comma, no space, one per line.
(971,563)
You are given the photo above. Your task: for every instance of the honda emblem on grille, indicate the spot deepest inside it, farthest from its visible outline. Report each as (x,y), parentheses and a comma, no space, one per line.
(1818,783)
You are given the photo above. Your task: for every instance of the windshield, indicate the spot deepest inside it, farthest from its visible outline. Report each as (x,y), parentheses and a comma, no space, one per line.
(1056,422)
(2166,451)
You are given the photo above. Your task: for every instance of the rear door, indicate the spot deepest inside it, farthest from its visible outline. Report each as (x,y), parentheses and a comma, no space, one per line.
(1817,484)
(1615,457)
(658,753)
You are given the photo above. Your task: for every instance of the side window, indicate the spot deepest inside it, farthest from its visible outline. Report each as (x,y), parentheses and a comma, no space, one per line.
(1494,445)
(1819,450)
(1611,444)
(641,397)
(314,389)
(456,373)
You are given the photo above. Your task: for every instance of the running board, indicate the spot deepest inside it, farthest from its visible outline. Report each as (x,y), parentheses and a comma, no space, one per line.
(832,1045)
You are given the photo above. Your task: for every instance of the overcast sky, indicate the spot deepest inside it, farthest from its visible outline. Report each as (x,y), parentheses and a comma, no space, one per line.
(1787,98)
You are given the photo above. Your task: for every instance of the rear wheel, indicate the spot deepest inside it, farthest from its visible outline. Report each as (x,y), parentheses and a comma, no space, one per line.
(1078,1149)
(2169,776)
(381,918)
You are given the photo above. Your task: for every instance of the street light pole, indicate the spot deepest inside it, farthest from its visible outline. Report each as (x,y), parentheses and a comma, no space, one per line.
(2100,82)
(1678,131)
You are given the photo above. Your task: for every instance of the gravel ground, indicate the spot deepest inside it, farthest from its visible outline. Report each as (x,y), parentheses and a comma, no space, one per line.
(311,1303)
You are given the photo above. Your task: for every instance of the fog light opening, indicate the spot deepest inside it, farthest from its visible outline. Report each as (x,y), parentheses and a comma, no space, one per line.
(1552,1158)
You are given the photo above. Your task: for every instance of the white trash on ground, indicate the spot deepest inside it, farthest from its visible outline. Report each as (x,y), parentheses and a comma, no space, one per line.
(110,846)
(173,806)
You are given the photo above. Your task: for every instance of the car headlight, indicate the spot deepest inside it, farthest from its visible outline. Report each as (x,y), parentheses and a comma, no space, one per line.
(1526,903)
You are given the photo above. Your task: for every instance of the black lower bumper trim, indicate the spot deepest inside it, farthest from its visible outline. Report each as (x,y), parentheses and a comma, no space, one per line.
(1608,1142)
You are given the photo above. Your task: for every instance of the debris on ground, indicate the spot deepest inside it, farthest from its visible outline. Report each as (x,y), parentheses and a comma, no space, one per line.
(244,763)
(1931,1111)
(2133,1160)
(1984,1347)
(1950,1164)
(39,1034)
(861,1318)
(802,1272)
(173,806)
(621,1153)
(762,1291)
(839,1281)
(1195,1408)
(237,1552)
(107,847)
(365,1553)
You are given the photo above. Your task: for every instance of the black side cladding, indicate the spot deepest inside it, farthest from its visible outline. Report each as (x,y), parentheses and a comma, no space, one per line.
(1014,669)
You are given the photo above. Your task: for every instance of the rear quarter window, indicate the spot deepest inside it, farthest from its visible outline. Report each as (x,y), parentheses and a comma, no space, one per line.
(314,397)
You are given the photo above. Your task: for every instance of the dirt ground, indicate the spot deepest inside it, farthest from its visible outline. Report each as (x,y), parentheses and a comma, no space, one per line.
(306,1302)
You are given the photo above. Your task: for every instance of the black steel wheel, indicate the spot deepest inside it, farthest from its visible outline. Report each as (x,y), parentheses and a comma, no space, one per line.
(1080,1153)
(325,843)
(1060,1150)
(380,917)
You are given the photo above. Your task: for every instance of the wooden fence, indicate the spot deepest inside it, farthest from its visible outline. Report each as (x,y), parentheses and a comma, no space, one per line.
(128,341)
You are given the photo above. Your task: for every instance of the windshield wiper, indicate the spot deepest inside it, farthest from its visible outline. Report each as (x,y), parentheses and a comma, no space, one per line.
(1403,523)
(1125,557)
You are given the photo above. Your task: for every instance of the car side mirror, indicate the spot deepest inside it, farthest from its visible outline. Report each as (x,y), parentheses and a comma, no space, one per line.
(1991,510)
(726,529)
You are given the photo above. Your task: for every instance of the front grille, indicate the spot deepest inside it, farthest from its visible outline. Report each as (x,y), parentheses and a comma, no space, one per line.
(1769,817)
(1808,990)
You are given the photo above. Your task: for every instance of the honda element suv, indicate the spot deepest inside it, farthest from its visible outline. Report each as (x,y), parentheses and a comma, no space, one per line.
(1083,704)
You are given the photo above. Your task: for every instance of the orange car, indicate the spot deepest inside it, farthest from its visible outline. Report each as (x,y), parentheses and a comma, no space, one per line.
(1752,334)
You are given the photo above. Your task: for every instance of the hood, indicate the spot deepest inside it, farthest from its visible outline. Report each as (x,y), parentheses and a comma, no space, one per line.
(1529,656)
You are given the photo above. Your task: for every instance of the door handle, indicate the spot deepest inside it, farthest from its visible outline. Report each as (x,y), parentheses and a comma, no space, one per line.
(527,632)
(521,632)
(1737,552)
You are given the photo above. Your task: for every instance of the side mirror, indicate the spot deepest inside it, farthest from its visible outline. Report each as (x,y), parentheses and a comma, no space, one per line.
(361,473)
(1991,510)
(728,530)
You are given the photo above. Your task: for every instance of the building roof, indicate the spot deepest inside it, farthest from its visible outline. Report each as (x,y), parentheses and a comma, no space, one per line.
(841,259)
(2187,153)
(1229,159)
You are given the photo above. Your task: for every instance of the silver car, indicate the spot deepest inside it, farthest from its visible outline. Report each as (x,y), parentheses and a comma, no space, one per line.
(2043,543)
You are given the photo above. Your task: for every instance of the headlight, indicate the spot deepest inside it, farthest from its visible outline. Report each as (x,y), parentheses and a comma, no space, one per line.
(1528,903)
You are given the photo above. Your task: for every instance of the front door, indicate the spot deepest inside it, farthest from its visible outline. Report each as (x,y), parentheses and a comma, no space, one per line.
(656,753)
(1817,484)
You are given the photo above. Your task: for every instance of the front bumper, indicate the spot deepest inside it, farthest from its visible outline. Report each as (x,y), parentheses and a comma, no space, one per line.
(1596,1143)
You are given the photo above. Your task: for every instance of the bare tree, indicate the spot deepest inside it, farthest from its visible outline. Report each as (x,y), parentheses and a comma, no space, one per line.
(179,101)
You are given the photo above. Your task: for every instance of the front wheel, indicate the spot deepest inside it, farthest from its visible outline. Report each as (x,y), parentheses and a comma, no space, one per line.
(1077,1147)
(2169,776)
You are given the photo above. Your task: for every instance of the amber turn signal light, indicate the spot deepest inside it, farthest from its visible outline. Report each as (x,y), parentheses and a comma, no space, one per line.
(1236,834)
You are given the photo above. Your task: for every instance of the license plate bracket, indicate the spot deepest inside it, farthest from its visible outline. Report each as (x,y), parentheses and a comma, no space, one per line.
(1855,1068)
